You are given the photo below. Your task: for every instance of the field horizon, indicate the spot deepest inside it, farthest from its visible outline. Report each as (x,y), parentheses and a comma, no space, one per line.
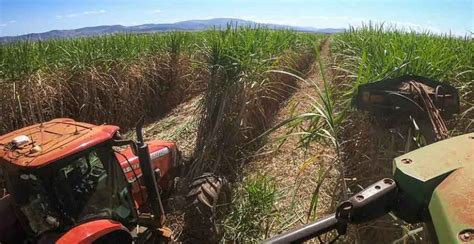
(185,25)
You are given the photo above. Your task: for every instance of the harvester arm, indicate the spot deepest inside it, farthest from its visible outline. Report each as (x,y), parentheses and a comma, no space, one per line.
(434,184)
(310,231)
(371,203)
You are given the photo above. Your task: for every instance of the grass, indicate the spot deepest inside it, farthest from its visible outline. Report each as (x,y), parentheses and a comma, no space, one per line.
(23,58)
(319,124)
(239,104)
(108,79)
(376,52)
(118,78)
(241,95)
(253,211)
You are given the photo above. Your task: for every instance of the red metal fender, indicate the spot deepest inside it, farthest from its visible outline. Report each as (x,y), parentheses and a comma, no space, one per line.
(88,232)
(164,155)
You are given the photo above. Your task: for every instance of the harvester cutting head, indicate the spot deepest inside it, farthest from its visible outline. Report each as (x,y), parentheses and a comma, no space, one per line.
(400,95)
(421,99)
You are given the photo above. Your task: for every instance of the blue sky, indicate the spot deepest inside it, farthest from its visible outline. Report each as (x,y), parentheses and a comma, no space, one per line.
(440,16)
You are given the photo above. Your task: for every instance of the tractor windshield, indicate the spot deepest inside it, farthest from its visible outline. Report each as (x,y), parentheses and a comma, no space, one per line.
(78,189)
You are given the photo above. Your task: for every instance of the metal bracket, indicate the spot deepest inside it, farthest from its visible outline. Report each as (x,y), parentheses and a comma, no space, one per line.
(371,203)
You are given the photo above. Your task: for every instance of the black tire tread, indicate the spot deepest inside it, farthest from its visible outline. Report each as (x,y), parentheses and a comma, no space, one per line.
(204,193)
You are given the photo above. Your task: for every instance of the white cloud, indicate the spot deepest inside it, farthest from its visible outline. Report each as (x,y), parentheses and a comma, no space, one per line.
(414,26)
(312,21)
(73,15)
(5,24)
(339,18)
(342,22)
(157,11)
(94,12)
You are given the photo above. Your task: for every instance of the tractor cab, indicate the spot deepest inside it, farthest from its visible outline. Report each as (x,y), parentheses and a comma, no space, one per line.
(82,187)
(63,174)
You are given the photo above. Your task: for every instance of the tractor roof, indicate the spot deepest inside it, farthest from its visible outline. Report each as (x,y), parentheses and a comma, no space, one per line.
(41,144)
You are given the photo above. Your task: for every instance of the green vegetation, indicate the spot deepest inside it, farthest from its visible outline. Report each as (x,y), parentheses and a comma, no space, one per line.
(241,95)
(253,211)
(69,78)
(119,78)
(21,59)
(376,52)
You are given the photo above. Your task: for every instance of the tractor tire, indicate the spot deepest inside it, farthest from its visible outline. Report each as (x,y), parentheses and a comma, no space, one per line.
(207,202)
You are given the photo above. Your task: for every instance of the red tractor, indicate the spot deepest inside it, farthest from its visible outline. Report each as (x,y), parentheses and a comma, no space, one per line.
(73,182)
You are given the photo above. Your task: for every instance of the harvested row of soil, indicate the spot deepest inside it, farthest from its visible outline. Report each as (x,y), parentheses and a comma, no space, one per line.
(179,125)
(295,170)
(243,112)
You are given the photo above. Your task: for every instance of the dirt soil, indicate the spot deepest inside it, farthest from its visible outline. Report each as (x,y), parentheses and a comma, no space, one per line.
(296,170)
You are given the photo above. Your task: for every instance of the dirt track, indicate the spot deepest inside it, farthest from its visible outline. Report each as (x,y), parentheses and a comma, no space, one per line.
(295,170)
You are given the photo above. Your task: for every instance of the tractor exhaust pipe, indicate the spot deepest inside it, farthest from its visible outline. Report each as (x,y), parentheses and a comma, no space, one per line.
(149,175)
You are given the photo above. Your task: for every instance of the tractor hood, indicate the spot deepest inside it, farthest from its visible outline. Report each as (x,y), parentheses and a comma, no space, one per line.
(40,144)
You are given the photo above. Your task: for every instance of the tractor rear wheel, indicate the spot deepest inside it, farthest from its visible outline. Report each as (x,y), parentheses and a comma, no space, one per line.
(207,201)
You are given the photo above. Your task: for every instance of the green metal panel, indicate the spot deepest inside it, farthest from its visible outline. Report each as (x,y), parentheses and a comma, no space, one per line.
(439,179)
(452,205)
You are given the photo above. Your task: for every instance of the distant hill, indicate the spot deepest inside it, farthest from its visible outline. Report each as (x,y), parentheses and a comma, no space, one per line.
(189,25)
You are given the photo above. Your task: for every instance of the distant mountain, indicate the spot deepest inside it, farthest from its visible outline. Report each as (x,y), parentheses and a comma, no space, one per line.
(189,25)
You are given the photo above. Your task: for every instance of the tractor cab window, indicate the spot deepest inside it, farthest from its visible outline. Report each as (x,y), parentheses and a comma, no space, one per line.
(92,186)
(83,188)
